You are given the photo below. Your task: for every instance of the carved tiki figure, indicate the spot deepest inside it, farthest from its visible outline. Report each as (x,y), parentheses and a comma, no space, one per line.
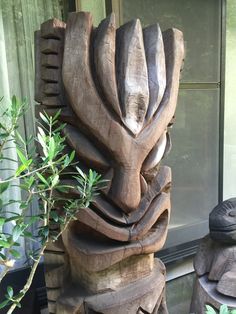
(117,89)
(215,261)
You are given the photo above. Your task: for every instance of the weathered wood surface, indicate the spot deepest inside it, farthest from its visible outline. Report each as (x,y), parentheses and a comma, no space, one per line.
(95,252)
(142,296)
(215,261)
(218,261)
(205,292)
(125,190)
(117,90)
(132,75)
(104,58)
(49,55)
(222,222)
(117,276)
(155,55)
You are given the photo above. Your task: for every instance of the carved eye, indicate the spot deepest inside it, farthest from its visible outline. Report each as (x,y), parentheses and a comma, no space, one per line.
(86,150)
(160,150)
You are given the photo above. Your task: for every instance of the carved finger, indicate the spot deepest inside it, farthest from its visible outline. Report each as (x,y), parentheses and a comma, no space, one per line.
(132,77)
(104,59)
(154,49)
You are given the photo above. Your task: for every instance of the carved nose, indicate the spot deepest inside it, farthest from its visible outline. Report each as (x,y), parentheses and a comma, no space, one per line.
(125,189)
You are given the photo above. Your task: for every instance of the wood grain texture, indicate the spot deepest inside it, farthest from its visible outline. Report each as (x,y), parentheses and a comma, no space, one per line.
(132,76)
(215,261)
(218,261)
(142,296)
(205,293)
(155,55)
(104,59)
(222,222)
(117,89)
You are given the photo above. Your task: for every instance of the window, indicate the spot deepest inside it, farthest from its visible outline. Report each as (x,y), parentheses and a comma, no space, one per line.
(194,158)
(18,21)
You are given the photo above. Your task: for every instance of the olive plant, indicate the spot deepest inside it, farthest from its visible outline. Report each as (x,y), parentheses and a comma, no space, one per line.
(223,310)
(39,177)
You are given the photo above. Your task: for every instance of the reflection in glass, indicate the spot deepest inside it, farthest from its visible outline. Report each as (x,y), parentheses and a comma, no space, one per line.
(198,20)
(194,157)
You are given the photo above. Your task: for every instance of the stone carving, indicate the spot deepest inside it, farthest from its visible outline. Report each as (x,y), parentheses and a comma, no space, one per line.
(117,90)
(215,262)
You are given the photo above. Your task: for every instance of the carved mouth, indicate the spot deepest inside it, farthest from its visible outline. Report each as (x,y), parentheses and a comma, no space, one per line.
(97,252)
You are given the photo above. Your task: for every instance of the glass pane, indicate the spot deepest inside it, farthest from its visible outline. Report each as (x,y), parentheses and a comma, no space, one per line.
(96,7)
(230,108)
(194,160)
(200,22)
(18,21)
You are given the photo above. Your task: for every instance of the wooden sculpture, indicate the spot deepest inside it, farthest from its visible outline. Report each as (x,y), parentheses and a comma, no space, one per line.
(117,90)
(215,262)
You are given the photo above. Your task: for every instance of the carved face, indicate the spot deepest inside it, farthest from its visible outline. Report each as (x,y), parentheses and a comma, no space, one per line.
(118,91)
(222,222)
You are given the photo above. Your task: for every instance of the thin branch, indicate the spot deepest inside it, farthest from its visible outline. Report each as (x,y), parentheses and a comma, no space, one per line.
(29,281)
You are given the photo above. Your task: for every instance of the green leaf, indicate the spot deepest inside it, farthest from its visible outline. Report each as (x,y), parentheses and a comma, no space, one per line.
(5,244)
(28,234)
(44,231)
(3,127)
(81,173)
(210,310)
(224,309)
(41,140)
(2,221)
(4,186)
(42,179)
(66,161)
(72,156)
(20,170)
(18,304)
(41,131)
(43,117)
(24,205)
(16,233)
(20,138)
(15,217)
(10,292)
(22,157)
(3,257)
(4,304)
(15,254)
(56,115)
(54,215)
(63,188)
(33,219)
(55,180)
(30,181)
(16,244)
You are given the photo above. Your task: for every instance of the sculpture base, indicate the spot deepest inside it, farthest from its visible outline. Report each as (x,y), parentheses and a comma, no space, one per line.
(146,295)
(205,293)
